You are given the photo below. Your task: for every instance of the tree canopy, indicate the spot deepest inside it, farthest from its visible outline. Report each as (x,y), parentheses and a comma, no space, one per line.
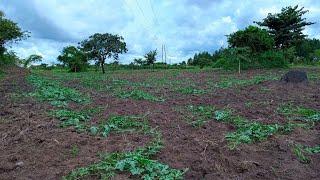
(9,31)
(32,59)
(257,39)
(286,27)
(151,57)
(99,47)
(73,58)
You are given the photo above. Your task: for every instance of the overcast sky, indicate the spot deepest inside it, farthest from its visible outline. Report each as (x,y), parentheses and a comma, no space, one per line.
(184,26)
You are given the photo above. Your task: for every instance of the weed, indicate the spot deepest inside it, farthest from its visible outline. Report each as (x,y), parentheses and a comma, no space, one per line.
(71,118)
(250,132)
(299,151)
(120,124)
(139,95)
(231,82)
(198,115)
(299,113)
(138,163)
(74,151)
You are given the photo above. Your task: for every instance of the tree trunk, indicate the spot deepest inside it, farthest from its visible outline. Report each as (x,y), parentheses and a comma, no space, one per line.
(102,67)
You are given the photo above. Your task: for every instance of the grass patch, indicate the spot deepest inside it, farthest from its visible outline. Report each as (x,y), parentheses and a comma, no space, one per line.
(2,74)
(139,95)
(232,82)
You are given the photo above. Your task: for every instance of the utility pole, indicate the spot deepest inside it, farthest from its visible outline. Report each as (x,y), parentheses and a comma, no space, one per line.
(162,53)
(165,54)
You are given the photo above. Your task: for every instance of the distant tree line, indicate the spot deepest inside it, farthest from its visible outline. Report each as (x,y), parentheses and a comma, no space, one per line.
(275,42)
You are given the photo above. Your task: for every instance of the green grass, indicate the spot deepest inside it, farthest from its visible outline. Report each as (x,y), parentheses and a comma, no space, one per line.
(232,82)
(137,94)
(299,113)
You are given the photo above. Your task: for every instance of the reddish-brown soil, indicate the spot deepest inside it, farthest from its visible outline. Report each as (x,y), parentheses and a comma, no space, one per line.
(34,147)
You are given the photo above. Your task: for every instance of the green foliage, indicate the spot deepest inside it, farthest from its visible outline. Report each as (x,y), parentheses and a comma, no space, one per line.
(257,39)
(98,47)
(199,115)
(9,58)
(73,58)
(31,59)
(251,132)
(274,59)
(9,31)
(139,95)
(120,124)
(74,151)
(232,82)
(70,118)
(286,27)
(203,59)
(151,57)
(299,113)
(298,150)
(302,151)
(138,163)
(49,90)
(307,50)
(235,58)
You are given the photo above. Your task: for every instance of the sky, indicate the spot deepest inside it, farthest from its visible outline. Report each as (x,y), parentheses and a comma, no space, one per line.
(185,27)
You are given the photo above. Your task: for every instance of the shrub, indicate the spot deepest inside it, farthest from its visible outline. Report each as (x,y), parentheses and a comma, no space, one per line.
(273,59)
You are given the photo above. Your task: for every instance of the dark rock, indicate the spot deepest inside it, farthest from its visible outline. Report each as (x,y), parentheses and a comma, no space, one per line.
(295,77)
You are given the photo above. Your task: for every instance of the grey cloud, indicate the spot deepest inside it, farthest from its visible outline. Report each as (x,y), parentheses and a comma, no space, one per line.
(27,16)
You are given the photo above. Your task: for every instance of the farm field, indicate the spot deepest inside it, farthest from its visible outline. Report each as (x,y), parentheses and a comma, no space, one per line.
(159,124)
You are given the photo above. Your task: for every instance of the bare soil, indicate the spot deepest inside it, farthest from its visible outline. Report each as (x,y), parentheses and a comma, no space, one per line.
(33,146)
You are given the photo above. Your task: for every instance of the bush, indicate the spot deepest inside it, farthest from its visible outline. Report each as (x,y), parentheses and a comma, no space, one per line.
(8,58)
(231,57)
(272,59)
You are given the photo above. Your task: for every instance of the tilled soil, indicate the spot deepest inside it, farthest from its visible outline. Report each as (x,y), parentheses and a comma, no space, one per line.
(34,147)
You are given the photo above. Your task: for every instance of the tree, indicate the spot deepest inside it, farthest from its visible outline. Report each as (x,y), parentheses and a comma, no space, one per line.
(139,61)
(9,32)
(98,47)
(257,39)
(151,57)
(286,27)
(73,58)
(31,59)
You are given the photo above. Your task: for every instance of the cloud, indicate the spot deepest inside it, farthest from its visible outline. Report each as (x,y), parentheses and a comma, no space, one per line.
(185,26)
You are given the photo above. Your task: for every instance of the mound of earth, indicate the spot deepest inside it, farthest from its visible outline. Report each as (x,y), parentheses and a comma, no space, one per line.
(295,77)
